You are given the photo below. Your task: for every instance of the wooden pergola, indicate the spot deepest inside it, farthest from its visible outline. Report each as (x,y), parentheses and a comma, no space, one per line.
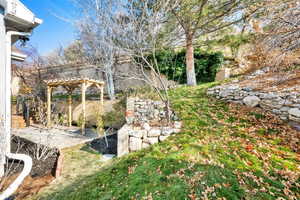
(70,85)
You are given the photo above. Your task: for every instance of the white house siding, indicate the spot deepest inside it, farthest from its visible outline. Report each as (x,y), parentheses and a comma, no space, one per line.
(2,91)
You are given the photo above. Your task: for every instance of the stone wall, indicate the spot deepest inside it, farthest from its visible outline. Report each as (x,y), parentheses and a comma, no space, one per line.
(285,104)
(145,125)
(125,74)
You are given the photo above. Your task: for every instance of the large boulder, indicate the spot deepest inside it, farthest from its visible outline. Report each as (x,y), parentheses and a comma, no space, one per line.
(251,101)
(92,109)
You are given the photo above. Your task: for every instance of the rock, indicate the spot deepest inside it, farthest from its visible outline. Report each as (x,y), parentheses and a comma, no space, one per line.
(285,109)
(177,125)
(211,92)
(266,104)
(163,138)
(177,130)
(277,112)
(167,131)
(233,87)
(174,117)
(151,140)
(146,126)
(295,119)
(138,133)
(107,157)
(268,96)
(225,93)
(145,145)
(247,89)
(156,113)
(135,144)
(258,72)
(295,112)
(284,118)
(251,101)
(154,133)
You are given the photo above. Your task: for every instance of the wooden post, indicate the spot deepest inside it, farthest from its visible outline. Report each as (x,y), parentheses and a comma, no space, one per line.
(83,90)
(49,91)
(102,95)
(70,108)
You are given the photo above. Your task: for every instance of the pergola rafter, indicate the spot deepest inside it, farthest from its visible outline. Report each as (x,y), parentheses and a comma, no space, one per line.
(70,85)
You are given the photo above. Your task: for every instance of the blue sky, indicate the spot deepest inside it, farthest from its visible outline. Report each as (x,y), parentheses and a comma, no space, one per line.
(54,31)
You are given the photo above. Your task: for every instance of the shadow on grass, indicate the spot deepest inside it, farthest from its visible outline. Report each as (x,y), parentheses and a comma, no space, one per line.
(138,176)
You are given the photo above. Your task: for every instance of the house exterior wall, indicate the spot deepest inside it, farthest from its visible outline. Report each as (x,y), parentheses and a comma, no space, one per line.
(2,91)
(15,19)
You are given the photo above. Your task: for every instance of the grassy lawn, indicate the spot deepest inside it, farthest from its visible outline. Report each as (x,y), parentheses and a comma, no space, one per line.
(79,162)
(223,152)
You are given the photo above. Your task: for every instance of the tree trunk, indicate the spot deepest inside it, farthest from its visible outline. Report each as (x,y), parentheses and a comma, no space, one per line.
(190,63)
(110,83)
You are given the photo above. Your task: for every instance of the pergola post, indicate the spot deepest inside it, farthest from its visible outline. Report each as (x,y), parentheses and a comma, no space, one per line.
(102,95)
(70,108)
(83,95)
(49,94)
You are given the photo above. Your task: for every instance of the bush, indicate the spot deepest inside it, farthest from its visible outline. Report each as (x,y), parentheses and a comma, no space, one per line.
(172,64)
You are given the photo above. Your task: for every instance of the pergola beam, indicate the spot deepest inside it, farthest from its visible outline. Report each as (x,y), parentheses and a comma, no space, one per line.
(70,85)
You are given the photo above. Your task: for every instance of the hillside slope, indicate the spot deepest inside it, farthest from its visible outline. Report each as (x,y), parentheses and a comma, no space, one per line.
(224,152)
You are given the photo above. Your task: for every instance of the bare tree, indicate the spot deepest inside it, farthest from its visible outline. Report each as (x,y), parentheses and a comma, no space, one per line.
(42,150)
(55,57)
(95,33)
(133,31)
(283,20)
(201,17)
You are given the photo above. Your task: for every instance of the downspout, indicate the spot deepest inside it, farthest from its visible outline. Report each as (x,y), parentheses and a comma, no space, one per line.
(26,159)
(26,171)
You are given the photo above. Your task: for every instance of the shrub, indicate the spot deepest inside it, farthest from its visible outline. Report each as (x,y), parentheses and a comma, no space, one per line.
(172,64)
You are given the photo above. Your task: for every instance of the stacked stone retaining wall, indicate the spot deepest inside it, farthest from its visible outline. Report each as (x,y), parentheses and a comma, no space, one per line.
(285,104)
(145,125)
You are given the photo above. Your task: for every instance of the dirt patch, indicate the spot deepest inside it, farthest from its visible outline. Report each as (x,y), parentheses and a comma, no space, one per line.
(274,81)
(30,186)
(43,169)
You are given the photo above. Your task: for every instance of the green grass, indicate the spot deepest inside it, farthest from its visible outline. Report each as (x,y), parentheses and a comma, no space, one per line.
(216,156)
